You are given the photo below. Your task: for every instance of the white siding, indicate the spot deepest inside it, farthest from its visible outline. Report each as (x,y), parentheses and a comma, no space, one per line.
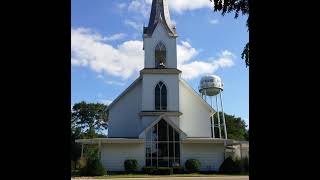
(160,34)
(124,115)
(114,155)
(149,83)
(211,156)
(195,120)
(147,121)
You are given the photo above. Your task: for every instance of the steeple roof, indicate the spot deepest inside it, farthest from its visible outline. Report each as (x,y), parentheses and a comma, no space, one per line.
(160,14)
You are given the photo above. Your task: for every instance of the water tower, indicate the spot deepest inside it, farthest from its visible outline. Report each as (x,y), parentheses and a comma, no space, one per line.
(212,86)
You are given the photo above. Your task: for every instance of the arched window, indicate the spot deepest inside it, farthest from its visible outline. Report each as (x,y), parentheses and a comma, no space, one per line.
(161,96)
(160,55)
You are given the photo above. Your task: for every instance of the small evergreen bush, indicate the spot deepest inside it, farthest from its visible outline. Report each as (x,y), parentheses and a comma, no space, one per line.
(193,165)
(164,171)
(149,170)
(130,165)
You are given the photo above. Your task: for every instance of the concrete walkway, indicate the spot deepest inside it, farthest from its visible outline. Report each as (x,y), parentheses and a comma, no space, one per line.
(180,178)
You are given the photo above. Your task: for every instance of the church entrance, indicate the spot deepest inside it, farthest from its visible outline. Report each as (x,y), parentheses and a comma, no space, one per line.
(162,146)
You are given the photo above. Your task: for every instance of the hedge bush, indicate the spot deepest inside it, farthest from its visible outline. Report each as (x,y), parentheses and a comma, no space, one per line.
(178,170)
(231,166)
(193,165)
(149,170)
(163,171)
(227,166)
(245,164)
(130,165)
(237,166)
(93,167)
(81,163)
(73,165)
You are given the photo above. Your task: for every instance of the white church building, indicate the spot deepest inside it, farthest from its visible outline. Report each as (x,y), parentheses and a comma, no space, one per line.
(160,120)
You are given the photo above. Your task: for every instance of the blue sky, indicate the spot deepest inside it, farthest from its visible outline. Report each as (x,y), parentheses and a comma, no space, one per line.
(106,43)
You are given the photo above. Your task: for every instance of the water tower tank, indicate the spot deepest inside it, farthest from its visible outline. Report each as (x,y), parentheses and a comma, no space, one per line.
(210,85)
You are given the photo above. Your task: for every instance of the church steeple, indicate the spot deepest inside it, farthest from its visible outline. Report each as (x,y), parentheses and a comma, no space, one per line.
(160,14)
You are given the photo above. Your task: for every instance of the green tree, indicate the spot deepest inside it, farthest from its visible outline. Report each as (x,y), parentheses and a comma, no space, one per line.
(87,121)
(247,135)
(237,7)
(236,127)
(89,118)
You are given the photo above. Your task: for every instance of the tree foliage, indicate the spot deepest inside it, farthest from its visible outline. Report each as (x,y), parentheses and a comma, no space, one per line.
(89,118)
(236,7)
(236,127)
(87,121)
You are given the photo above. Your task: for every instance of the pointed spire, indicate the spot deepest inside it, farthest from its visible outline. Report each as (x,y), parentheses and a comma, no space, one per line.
(160,13)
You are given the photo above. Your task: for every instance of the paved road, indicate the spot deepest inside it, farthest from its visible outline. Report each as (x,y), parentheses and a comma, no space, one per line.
(183,178)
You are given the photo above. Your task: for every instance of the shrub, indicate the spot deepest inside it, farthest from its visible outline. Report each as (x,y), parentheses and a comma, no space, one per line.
(149,170)
(227,166)
(193,165)
(178,170)
(237,166)
(73,165)
(164,171)
(81,163)
(93,168)
(245,164)
(242,166)
(130,165)
(231,166)
(75,172)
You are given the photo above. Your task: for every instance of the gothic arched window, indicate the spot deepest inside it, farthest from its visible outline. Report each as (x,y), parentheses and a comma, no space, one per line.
(161,96)
(160,55)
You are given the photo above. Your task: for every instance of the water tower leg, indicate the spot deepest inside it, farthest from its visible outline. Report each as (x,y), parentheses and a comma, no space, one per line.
(224,120)
(212,122)
(205,95)
(219,125)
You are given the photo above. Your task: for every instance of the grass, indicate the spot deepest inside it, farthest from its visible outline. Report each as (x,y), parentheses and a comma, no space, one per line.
(141,175)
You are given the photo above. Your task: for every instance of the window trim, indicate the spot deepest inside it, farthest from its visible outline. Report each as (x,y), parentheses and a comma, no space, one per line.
(166,54)
(160,96)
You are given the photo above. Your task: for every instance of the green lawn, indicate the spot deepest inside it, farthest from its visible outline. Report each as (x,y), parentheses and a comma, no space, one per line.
(157,176)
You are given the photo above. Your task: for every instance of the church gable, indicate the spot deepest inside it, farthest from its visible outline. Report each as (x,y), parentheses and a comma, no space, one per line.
(124,119)
(196,96)
(196,113)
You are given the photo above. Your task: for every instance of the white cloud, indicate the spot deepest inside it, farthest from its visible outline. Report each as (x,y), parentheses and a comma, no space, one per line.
(179,6)
(99,95)
(140,6)
(184,5)
(126,60)
(185,52)
(174,23)
(121,5)
(115,83)
(100,76)
(106,102)
(133,24)
(198,67)
(88,49)
(115,37)
(214,21)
